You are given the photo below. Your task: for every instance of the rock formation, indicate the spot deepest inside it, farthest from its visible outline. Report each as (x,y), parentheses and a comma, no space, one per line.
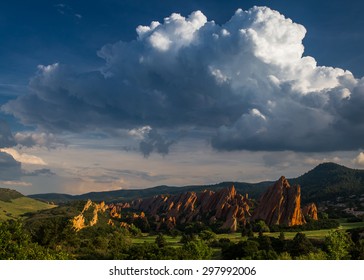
(225,206)
(310,210)
(91,209)
(280,205)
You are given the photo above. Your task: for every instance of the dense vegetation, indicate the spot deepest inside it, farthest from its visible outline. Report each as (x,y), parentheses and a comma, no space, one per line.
(49,235)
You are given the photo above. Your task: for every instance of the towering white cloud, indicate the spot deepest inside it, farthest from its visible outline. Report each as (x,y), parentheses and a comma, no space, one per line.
(247,82)
(23,157)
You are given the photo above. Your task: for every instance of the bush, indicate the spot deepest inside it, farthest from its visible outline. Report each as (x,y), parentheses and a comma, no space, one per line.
(260,226)
(338,244)
(195,250)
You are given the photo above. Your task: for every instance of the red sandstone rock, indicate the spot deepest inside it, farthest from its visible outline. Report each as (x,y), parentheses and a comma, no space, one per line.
(280,205)
(225,205)
(311,211)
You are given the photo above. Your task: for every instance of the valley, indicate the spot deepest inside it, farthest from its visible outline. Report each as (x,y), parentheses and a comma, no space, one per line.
(281,220)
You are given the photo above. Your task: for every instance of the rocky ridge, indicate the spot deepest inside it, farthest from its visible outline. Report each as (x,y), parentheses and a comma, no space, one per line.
(279,205)
(226,206)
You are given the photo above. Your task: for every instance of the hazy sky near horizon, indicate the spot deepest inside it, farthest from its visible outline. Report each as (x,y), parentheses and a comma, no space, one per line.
(103,95)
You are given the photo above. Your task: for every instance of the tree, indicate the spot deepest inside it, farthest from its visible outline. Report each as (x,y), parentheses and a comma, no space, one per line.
(119,244)
(300,245)
(187,237)
(241,250)
(196,250)
(16,244)
(247,231)
(161,241)
(319,255)
(260,226)
(282,237)
(207,235)
(338,244)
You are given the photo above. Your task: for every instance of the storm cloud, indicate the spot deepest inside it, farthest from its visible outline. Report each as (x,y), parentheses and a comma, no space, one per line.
(6,137)
(10,169)
(247,82)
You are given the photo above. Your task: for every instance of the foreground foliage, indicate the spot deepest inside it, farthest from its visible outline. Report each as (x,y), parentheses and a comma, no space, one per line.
(55,239)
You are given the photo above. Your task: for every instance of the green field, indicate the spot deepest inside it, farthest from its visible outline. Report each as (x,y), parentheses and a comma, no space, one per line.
(16,207)
(171,241)
(236,237)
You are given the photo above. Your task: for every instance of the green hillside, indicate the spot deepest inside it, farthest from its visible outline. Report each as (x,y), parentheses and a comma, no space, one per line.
(329,180)
(9,194)
(13,204)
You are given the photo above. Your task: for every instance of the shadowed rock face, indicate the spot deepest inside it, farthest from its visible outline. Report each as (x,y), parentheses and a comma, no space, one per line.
(280,205)
(310,210)
(225,206)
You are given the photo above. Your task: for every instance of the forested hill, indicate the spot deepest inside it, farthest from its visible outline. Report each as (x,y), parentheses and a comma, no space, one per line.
(326,181)
(329,180)
(254,190)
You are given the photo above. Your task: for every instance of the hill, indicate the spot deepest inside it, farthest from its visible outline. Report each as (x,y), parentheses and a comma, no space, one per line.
(329,180)
(8,194)
(13,204)
(324,182)
(254,190)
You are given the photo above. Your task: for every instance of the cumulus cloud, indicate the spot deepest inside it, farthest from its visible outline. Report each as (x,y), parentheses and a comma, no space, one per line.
(155,142)
(359,160)
(246,81)
(23,157)
(151,141)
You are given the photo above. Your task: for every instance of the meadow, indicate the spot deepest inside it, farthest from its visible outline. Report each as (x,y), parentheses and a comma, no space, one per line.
(17,207)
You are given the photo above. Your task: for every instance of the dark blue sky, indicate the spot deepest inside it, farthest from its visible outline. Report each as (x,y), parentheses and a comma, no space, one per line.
(47,31)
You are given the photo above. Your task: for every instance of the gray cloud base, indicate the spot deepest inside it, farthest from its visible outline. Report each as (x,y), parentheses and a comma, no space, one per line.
(247,82)
(10,169)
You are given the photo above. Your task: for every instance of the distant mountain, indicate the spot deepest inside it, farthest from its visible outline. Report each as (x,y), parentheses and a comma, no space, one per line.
(254,190)
(13,204)
(326,181)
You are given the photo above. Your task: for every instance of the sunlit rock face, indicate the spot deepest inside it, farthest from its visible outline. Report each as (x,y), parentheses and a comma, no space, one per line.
(91,209)
(280,205)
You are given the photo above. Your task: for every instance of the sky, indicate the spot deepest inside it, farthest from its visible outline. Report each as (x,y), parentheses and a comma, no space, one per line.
(107,95)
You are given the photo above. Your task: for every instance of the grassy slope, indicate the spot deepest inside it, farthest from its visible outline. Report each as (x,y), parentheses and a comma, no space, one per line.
(18,206)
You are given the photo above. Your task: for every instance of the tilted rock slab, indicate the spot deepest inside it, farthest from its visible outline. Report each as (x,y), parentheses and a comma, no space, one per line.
(280,205)
(226,206)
